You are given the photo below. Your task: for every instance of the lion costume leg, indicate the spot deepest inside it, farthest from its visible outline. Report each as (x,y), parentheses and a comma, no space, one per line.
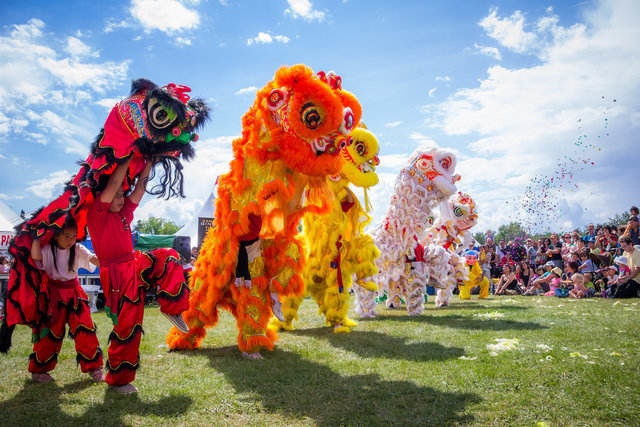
(397,290)
(336,302)
(465,291)
(210,283)
(416,288)
(365,301)
(484,288)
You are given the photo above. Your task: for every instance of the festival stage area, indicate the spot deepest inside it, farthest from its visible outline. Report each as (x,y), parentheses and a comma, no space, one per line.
(574,363)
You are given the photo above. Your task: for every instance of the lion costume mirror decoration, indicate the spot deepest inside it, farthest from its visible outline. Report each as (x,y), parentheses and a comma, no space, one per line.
(251,255)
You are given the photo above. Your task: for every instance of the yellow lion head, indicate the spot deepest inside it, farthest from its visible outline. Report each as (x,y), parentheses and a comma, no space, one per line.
(359,151)
(304,114)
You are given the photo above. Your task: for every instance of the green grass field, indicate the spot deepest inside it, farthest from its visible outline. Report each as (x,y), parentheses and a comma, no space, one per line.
(575,363)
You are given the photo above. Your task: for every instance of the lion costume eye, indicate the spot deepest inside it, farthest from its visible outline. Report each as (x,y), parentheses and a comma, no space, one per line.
(277,98)
(348,120)
(361,148)
(424,163)
(311,116)
(160,116)
(457,211)
(445,163)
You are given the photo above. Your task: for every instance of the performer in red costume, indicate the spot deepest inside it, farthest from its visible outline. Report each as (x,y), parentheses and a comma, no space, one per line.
(60,261)
(126,275)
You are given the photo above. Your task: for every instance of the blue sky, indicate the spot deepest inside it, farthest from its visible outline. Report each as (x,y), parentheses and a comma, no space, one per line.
(509,86)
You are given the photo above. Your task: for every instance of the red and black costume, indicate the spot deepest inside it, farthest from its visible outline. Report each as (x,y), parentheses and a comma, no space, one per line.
(153,122)
(125,276)
(67,304)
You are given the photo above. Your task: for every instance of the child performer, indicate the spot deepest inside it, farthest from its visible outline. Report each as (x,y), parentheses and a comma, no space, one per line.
(126,275)
(68,303)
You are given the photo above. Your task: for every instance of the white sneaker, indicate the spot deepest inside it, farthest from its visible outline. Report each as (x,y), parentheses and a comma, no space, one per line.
(276,307)
(124,389)
(252,356)
(177,321)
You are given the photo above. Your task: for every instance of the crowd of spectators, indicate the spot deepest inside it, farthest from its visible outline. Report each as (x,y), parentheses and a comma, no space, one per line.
(603,261)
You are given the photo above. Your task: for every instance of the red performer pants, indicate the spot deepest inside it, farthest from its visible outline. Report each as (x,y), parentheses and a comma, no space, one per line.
(125,282)
(67,304)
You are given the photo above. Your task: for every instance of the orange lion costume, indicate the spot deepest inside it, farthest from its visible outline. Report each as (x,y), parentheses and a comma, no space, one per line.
(289,146)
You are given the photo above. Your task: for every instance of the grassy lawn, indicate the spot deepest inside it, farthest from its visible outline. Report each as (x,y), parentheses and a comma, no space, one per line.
(575,363)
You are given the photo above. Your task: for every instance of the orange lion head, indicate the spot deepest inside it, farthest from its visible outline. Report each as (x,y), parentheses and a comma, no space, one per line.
(305,114)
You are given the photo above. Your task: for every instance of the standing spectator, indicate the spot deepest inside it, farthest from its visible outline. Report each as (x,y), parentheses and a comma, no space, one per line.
(530,249)
(501,251)
(632,230)
(633,210)
(554,251)
(629,283)
(5,266)
(566,247)
(590,234)
(541,253)
(485,262)
(575,236)
(518,253)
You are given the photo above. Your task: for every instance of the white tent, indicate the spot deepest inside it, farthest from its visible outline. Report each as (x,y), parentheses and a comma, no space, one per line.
(8,220)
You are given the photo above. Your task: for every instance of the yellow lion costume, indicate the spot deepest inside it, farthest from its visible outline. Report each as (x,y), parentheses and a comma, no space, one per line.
(287,150)
(336,246)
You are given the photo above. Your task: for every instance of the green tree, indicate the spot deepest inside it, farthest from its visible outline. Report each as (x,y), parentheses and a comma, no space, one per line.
(511,231)
(155,225)
(618,219)
(480,237)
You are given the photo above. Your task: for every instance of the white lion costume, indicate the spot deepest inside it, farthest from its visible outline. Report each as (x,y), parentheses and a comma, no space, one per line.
(451,234)
(427,180)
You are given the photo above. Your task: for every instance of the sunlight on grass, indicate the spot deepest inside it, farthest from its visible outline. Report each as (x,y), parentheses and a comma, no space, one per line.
(566,363)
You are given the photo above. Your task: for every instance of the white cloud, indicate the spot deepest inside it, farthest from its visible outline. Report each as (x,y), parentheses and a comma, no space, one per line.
(443,78)
(432,91)
(183,41)
(246,90)
(509,31)
(488,51)
(212,159)
(168,16)
(41,86)
(52,185)
(108,103)
(393,124)
(304,9)
(113,25)
(76,47)
(266,38)
(523,123)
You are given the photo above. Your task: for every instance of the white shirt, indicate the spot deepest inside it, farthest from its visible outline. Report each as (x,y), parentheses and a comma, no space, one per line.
(62,261)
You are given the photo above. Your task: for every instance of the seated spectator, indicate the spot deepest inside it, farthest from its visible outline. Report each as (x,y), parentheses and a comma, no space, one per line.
(508,283)
(555,282)
(586,264)
(609,278)
(589,285)
(628,283)
(579,290)
(535,283)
